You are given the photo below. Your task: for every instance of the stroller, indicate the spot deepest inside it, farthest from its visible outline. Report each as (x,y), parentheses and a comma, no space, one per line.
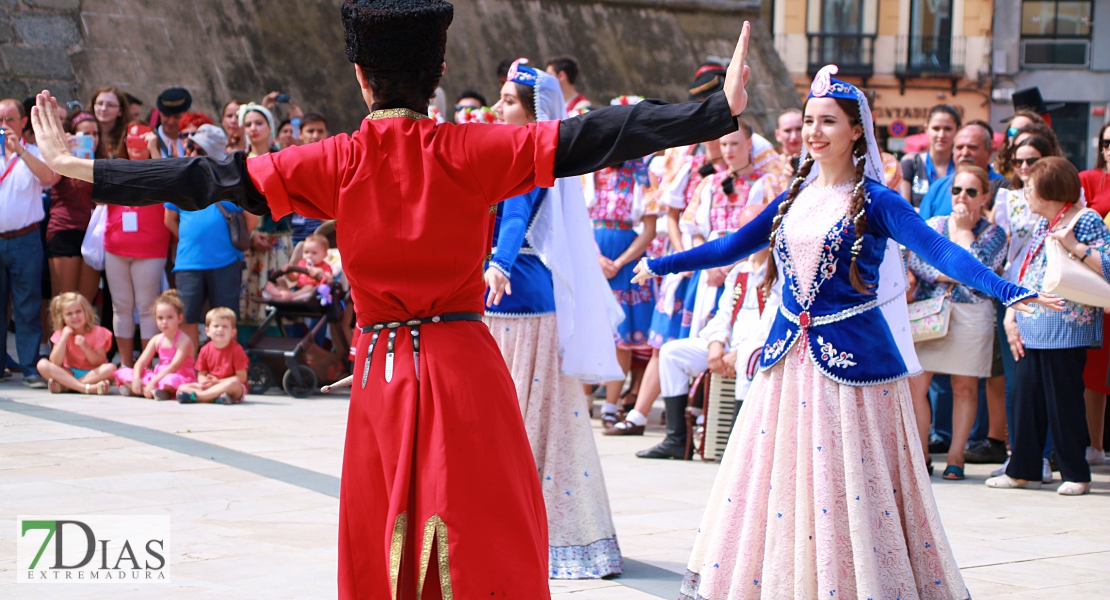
(303,365)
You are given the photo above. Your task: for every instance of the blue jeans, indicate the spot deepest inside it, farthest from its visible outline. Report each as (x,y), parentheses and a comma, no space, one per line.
(21,261)
(220,287)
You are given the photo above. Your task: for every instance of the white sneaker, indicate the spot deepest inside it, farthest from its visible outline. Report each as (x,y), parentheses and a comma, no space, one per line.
(1095,457)
(1074,488)
(1046,472)
(1001,470)
(1007,482)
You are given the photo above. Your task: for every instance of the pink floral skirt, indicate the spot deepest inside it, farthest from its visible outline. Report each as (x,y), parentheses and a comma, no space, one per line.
(822,493)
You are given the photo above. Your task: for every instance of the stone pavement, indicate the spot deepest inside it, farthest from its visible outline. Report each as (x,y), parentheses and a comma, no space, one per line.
(251,493)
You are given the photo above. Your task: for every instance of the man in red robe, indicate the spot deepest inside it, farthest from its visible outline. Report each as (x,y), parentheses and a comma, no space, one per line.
(440,496)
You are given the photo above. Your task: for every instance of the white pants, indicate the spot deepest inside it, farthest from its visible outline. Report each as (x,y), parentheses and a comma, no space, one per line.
(679,362)
(134,283)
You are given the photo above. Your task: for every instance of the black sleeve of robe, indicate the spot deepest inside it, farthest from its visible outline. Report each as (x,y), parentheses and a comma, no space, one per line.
(189,183)
(598,139)
(609,136)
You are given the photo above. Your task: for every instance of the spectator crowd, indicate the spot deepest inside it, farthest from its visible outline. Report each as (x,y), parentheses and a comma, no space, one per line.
(995,386)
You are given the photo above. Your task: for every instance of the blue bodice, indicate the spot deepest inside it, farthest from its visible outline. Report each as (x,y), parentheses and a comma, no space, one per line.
(845,334)
(532,290)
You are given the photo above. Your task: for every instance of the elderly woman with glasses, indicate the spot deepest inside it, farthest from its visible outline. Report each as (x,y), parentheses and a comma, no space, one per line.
(965,352)
(1051,349)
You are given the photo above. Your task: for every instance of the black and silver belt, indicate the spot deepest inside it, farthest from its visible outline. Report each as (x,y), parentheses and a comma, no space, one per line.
(414,330)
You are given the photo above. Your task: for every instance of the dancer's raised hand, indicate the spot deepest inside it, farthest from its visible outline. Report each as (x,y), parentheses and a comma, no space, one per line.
(738,73)
(52,141)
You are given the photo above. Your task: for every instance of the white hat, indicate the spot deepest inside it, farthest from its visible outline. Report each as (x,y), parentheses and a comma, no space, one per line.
(212,140)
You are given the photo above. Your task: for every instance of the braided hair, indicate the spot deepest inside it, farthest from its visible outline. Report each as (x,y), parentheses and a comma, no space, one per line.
(857,209)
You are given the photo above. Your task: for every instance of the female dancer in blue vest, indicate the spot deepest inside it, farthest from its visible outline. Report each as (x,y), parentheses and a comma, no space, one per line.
(551,332)
(823,492)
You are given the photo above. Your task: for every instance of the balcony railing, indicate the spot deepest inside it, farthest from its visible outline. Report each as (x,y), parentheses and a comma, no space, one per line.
(930,55)
(852,53)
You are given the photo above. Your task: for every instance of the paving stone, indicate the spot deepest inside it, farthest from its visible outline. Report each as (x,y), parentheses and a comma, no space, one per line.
(238,535)
(5,28)
(46,29)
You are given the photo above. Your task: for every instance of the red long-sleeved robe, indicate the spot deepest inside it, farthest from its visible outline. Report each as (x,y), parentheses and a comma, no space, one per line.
(439,488)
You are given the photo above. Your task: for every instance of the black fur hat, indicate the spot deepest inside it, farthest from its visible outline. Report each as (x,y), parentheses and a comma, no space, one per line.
(396,36)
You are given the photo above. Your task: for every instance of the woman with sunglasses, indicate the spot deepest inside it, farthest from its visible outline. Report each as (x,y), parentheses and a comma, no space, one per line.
(1021,120)
(967,351)
(1096,188)
(1013,215)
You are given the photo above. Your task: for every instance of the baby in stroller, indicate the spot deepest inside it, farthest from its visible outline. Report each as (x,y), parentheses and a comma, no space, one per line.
(301,284)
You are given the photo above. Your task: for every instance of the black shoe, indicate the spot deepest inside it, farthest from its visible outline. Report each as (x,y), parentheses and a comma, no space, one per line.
(35,382)
(937,445)
(988,451)
(665,449)
(674,445)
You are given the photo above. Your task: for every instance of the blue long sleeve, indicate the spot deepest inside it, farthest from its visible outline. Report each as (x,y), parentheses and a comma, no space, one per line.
(895,218)
(722,251)
(515,215)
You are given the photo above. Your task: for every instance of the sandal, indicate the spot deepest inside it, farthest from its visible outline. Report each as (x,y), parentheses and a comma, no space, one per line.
(187,397)
(225,399)
(953,473)
(929,465)
(624,428)
(55,387)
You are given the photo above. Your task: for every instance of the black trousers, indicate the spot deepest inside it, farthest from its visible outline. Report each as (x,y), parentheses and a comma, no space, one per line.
(1048,395)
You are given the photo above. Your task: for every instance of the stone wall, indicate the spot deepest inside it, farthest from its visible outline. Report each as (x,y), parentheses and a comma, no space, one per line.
(220,49)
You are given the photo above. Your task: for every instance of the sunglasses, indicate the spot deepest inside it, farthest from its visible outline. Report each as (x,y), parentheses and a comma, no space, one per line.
(184,135)
(1104,143)
(971,192)
(191,147)
(1017,162)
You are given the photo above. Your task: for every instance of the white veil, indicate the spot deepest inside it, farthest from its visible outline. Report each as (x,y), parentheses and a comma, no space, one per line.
(586,312)
(891,292)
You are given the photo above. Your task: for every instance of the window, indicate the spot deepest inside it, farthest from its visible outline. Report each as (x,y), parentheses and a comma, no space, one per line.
(1056,33)
(930,39)
(841,40)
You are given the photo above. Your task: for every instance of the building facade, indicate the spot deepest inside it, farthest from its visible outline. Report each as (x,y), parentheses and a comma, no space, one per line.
(1063,47)
(908,54)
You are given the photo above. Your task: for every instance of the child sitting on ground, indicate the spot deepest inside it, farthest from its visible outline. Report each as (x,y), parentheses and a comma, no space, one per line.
(79,360)
(221,364)
(175,355)
(300,286)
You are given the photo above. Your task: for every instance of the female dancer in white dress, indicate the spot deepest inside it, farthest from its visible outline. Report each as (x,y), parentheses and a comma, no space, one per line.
(823,491)
(546,308)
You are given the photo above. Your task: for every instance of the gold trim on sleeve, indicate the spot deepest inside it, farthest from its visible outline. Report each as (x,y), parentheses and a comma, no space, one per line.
(435,531)
(396,547)
(390,113)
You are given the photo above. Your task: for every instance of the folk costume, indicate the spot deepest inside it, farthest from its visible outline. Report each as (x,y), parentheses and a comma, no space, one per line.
(440,497)
(617,201)
(549,340)
(823,490)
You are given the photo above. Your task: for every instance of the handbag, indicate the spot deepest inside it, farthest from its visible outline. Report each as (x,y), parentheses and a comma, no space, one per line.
(236,228)
(1069,278)
(929,319)
(92,246)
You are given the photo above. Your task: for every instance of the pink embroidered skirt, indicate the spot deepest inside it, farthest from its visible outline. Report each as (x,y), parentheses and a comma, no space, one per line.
(125,375)
(822,493)
(582,538)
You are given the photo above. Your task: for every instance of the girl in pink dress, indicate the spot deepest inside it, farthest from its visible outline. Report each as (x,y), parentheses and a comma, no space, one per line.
(823,491)
(176,355)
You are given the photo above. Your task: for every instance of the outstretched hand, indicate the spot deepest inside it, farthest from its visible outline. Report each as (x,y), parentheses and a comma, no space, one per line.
(52,141)
(1049,301)
(738,73)
(642,274)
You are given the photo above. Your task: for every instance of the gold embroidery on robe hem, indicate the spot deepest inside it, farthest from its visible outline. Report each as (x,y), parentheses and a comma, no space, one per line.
(435,530)
(389,113)
(396,546)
